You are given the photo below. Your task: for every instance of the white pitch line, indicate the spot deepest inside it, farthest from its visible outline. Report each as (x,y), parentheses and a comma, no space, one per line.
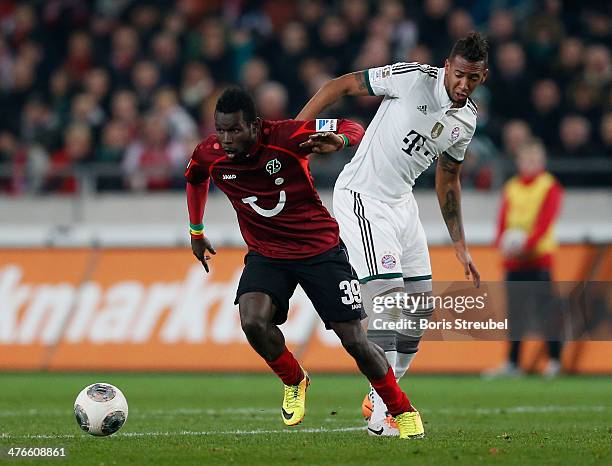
(484,411)
(518,410)
(153,412)
(194,433)
(274,411)
(210,411)
(540,409)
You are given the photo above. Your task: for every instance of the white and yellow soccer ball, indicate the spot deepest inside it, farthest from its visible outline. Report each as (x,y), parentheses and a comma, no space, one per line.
(101,409)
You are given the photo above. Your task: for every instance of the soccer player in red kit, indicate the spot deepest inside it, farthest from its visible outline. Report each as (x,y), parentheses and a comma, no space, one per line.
(262,167)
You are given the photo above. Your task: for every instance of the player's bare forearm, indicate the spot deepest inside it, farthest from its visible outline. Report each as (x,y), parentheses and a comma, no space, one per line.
(448,189)
(323,143)
(196,201)
(197,194)
(349,84)
(349,133)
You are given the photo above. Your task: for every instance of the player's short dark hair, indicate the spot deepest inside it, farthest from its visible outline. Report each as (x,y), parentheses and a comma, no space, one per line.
(235,99)
(474,47)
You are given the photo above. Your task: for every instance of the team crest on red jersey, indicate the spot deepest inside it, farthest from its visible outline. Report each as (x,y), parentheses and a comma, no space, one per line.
(273,166)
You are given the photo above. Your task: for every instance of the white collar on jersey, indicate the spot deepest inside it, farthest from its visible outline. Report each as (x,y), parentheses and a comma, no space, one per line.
(443,97)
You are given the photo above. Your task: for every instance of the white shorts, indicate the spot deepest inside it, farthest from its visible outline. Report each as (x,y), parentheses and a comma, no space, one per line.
(384,241)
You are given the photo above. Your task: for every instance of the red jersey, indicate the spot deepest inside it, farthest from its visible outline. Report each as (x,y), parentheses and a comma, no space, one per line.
(279,211)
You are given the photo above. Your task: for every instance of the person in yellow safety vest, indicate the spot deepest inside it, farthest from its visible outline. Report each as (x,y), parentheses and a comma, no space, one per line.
(526,238)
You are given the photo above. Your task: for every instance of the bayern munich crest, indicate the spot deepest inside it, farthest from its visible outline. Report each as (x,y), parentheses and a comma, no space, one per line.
(455,133)
(388,261)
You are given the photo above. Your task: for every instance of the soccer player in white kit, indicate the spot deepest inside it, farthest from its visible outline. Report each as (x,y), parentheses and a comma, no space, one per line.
(426,115)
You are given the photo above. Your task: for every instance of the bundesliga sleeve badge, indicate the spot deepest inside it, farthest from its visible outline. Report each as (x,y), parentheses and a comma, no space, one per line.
(326,124)
(455,133)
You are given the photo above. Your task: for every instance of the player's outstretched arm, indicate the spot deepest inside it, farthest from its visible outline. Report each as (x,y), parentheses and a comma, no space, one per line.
(448,189)
(348,133)
(349,84)
(323,143)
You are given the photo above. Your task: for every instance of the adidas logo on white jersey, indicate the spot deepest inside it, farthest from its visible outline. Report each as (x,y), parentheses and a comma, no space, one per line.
(422,109)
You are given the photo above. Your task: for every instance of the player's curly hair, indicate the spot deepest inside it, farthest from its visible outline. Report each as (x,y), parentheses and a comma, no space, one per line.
(473,47)
(235,99)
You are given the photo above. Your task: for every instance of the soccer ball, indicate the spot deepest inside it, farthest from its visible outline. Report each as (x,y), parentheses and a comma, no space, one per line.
(101,409)
(513,241)
(367,407)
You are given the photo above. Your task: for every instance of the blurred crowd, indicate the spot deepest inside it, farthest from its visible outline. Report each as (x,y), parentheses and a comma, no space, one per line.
(118,92)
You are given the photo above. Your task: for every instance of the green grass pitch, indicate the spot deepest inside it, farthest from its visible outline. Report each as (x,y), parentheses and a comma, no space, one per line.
(235,419)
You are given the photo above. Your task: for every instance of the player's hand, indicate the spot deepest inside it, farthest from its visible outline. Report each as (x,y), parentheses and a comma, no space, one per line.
(469,267)
(323,143)
(200,247)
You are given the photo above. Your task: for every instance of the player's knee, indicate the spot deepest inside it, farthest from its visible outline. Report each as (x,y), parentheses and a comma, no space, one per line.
(355,345)
(373,294)
(351,336)
(256,312)
(252,325)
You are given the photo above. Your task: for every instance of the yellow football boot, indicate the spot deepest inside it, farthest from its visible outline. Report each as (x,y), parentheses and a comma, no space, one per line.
(410,425)
(294,402)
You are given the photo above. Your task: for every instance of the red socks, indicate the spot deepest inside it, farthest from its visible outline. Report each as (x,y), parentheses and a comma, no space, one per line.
(289,371)
(287,368)
(396,400)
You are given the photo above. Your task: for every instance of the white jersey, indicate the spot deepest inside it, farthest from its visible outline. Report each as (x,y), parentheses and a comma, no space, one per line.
(413,126)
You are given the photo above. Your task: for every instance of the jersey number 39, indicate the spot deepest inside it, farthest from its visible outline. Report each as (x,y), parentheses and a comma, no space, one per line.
(352,292)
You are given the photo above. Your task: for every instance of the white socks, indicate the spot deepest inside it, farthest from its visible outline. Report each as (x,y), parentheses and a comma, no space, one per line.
(391,358)
(402,363)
